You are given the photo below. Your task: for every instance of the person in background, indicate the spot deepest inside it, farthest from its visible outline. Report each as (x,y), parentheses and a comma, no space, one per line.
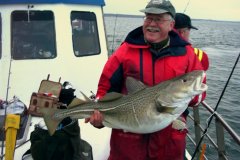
(151,53)
(183,26)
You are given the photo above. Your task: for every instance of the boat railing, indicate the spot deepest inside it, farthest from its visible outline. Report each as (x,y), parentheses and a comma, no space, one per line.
(221,126)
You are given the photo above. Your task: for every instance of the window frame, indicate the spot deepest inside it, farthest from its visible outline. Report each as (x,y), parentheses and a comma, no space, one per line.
(92,37)
(37,37)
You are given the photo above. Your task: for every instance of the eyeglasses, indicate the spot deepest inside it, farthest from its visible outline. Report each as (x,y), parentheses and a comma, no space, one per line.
(156,20)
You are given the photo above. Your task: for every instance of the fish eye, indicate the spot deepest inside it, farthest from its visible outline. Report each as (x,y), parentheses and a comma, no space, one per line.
(184,80)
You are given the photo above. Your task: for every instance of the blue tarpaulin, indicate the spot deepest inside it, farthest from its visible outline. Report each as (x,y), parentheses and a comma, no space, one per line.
(90,2)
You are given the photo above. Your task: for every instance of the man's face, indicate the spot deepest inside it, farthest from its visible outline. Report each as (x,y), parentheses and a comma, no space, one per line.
(157,26)
(185,33)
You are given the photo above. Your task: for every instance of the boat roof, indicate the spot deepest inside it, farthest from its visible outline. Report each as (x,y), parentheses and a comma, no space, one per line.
(89,2)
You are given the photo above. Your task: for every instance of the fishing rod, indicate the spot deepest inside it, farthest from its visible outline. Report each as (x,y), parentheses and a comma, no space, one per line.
(186,6)
(5,109)
(215,109)
(29,7)
(114,31)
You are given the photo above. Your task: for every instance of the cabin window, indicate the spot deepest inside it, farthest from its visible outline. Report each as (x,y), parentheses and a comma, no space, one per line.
(33,35)
(84,33)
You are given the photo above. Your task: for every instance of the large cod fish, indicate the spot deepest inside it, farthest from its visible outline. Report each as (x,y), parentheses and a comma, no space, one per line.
(143,110)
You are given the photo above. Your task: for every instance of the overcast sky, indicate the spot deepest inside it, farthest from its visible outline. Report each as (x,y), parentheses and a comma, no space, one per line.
(197,9)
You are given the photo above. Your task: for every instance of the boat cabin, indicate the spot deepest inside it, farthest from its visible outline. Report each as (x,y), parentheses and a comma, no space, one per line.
(61,38)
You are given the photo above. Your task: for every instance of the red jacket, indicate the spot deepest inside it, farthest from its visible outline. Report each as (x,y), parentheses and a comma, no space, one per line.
(134,58)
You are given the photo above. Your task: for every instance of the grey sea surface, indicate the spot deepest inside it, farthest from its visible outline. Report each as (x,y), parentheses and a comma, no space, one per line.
(221,41)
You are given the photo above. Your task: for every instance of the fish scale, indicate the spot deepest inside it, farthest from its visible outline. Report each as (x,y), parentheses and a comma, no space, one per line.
(144,110)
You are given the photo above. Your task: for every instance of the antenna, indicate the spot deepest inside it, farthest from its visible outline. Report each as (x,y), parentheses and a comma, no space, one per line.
(28,11)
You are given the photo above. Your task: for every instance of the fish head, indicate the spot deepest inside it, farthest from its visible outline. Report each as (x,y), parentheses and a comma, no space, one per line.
(182,88)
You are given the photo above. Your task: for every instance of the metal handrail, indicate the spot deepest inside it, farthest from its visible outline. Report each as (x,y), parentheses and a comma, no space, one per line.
(207,135)
(221,124)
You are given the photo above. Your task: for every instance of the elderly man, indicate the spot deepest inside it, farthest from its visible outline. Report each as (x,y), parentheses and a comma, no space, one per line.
(151,53)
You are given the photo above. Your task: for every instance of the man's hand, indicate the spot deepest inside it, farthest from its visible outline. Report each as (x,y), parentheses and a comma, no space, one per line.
(95,119)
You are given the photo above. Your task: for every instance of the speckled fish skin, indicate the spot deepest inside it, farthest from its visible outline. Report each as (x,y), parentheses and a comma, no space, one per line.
(144,109)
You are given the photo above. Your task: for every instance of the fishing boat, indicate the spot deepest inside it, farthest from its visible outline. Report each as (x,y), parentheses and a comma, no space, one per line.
(66,39)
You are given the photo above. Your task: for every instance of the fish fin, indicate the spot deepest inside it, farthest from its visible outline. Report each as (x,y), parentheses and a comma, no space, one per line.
(134,85)
(76,102)
(85,97)
(51,123)
(166,109)
(179,125)
(110,97)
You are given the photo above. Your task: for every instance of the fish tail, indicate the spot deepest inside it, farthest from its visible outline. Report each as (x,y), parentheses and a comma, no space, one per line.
(51,122)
